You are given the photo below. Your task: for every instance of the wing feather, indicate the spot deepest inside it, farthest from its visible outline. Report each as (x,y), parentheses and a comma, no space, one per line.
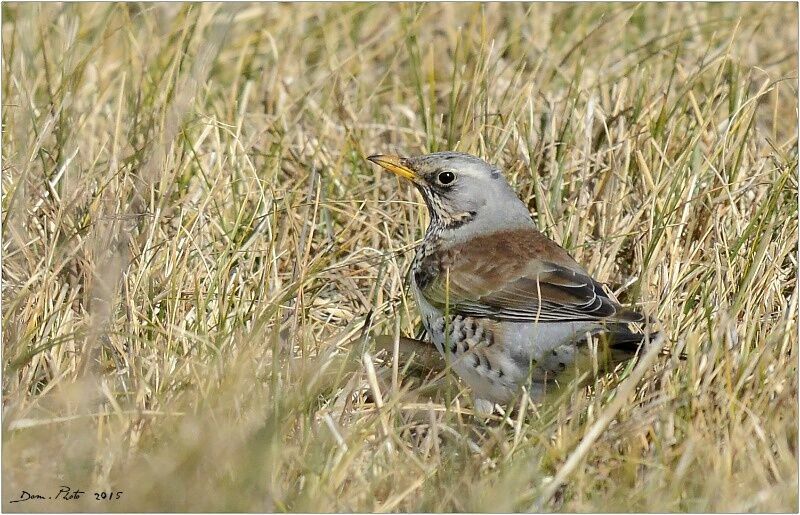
(521,276)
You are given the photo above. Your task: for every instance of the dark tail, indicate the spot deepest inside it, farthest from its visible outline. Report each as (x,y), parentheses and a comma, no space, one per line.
(622,343)
(625,344)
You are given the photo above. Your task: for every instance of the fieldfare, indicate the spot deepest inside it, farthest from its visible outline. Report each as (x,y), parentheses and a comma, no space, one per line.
(504,305)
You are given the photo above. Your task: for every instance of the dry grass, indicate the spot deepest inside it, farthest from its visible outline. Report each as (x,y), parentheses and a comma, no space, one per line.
(195,252)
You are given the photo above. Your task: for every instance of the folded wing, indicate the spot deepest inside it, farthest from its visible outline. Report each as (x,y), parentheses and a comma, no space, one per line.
(521,276)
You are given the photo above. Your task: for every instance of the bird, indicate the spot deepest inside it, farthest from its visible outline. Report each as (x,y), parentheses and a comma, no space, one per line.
(505,306)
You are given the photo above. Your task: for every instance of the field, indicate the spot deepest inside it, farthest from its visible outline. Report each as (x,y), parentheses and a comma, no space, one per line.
(196,256)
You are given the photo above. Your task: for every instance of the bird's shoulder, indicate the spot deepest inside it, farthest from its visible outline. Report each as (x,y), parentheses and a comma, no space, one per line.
(517,251)
(513,275)
(485,262)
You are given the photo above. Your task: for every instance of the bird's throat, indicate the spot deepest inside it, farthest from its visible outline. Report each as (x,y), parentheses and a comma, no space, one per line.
(442,218)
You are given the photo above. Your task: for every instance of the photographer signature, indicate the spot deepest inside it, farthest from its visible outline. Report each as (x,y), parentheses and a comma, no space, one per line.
(67,493)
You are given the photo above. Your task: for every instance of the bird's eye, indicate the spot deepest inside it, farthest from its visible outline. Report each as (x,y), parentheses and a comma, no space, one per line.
(447,177)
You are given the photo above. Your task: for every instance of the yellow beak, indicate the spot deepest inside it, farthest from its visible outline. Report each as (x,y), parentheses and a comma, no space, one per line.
(396,165)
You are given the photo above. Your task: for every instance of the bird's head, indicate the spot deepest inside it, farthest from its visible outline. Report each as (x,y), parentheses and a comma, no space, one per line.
(460,190)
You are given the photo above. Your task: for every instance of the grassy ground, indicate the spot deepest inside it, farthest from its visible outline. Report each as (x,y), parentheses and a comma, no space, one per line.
(196,254)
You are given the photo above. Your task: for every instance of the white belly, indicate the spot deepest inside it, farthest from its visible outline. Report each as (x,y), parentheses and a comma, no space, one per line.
(540,339)
(550,346)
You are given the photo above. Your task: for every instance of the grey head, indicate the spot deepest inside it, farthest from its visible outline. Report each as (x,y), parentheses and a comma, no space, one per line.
(462,192)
